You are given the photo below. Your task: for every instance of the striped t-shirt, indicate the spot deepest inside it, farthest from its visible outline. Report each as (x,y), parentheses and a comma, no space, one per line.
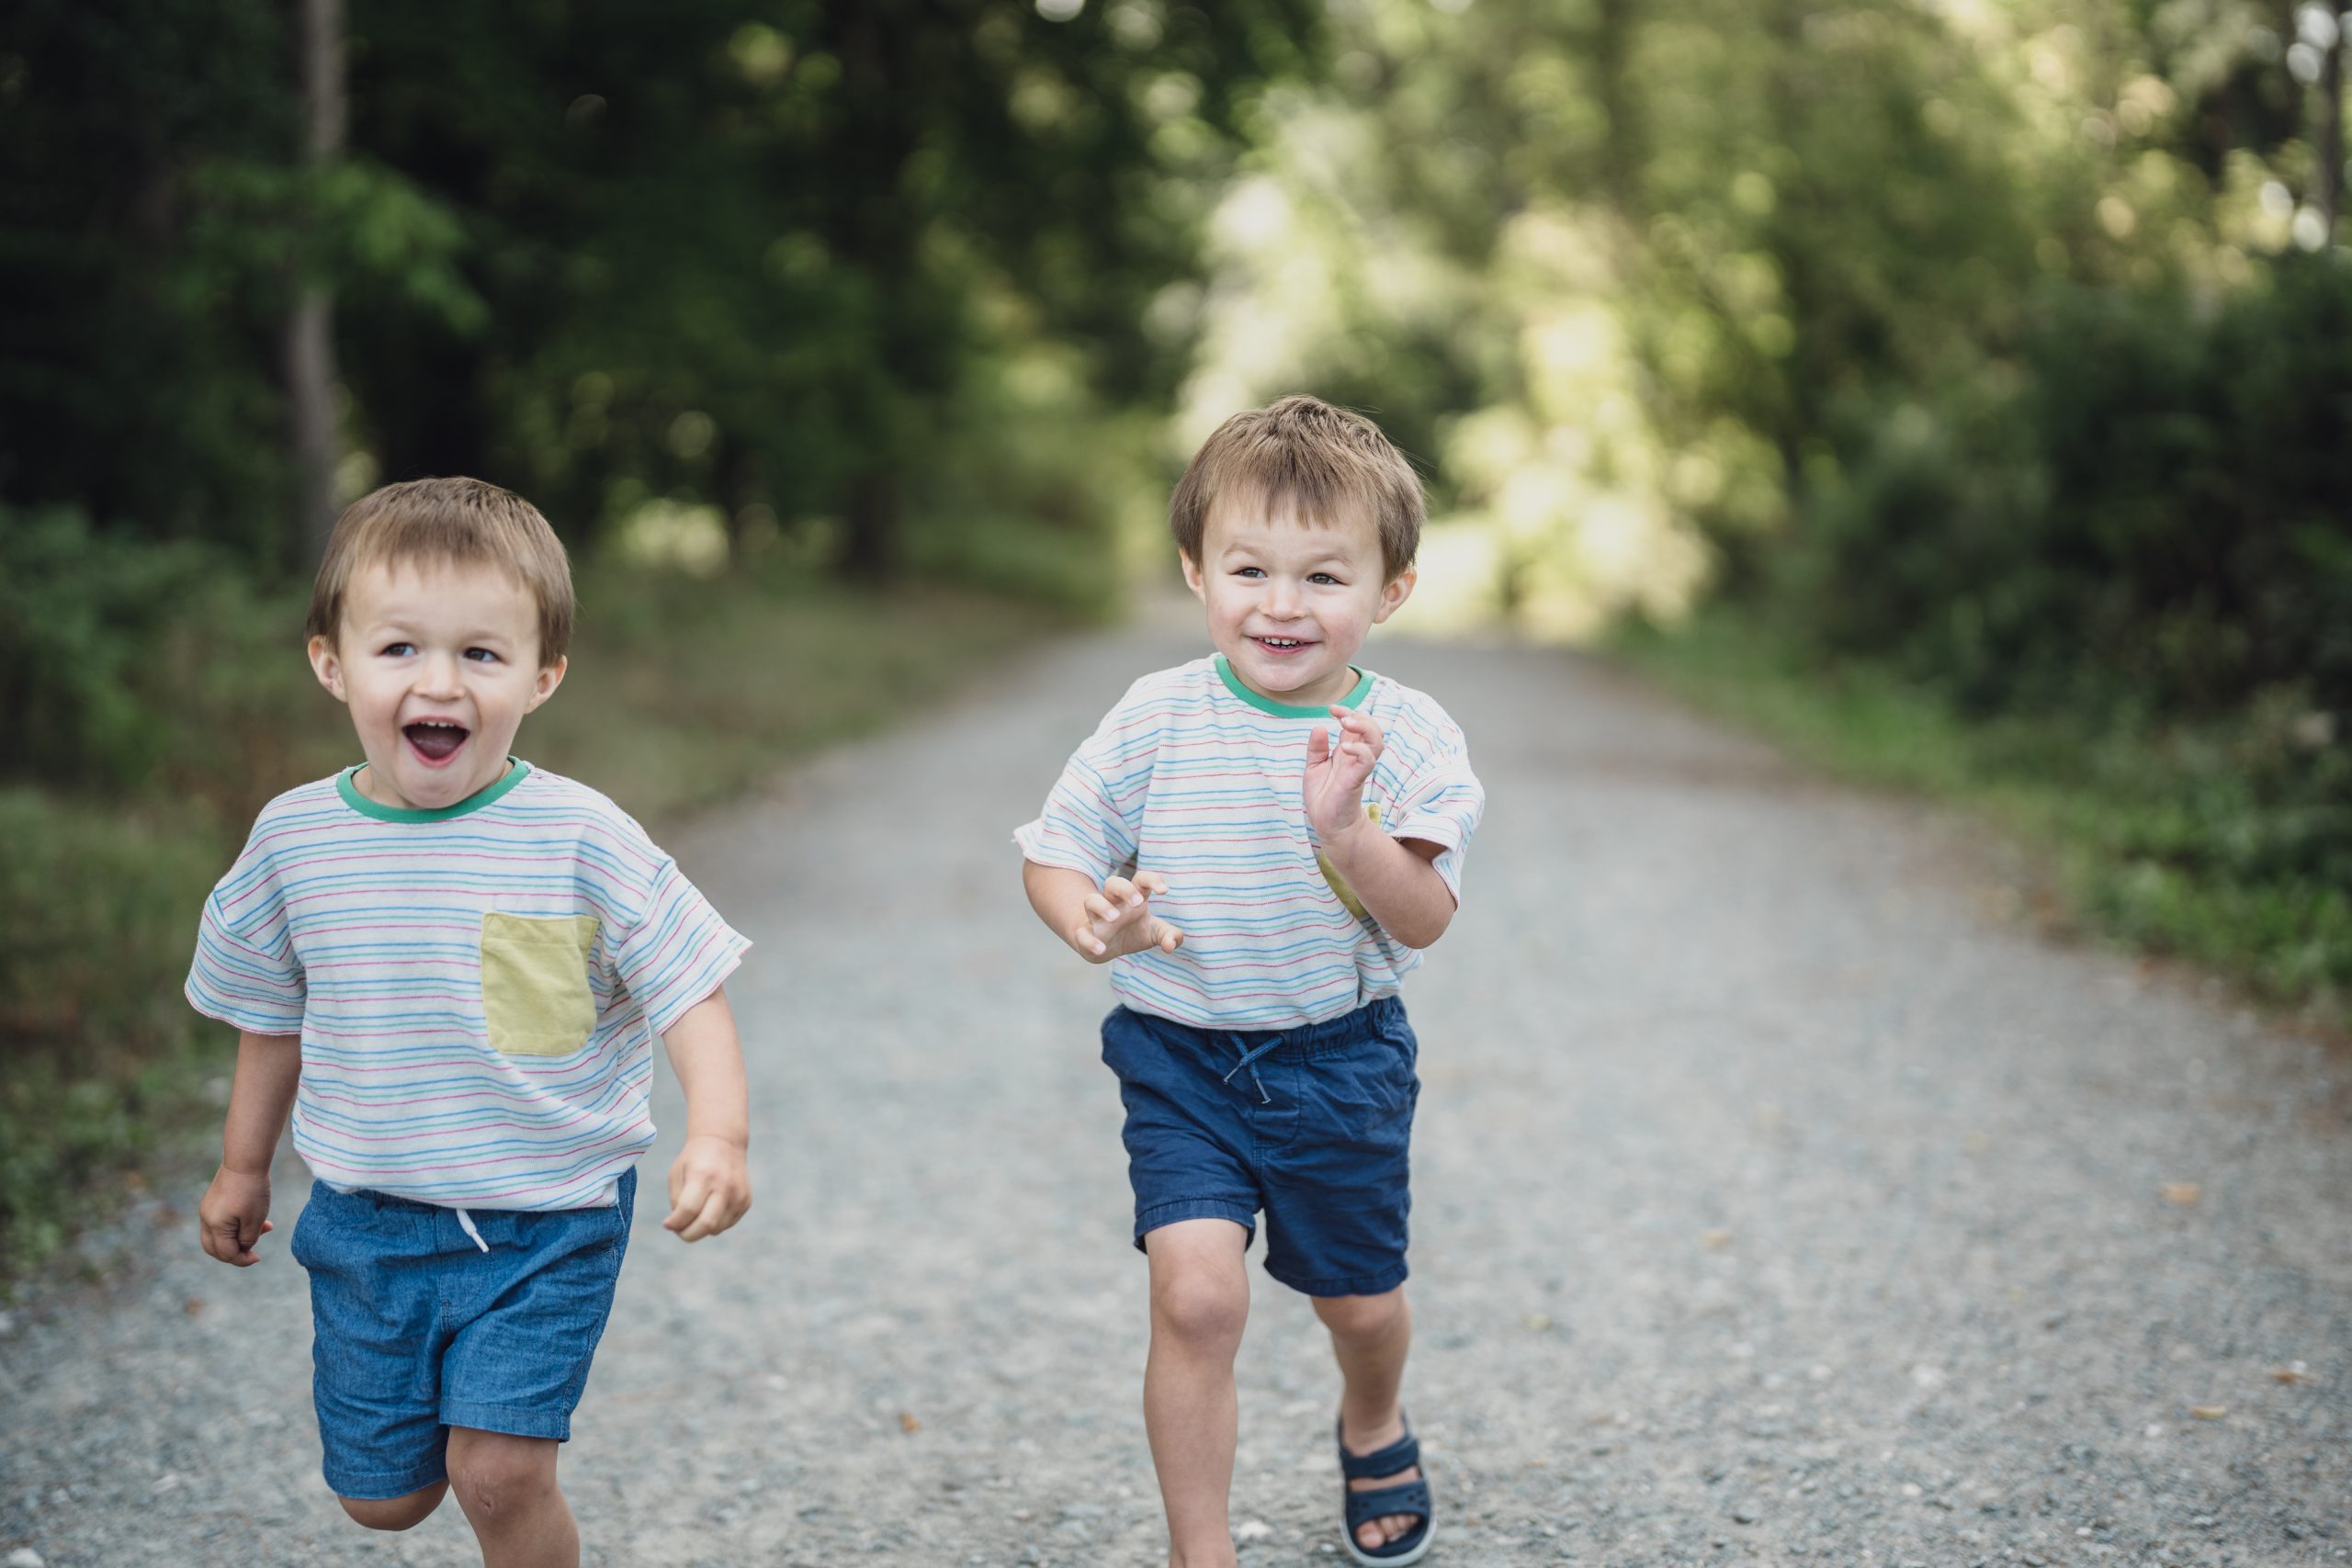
(477,988)
(1197,777)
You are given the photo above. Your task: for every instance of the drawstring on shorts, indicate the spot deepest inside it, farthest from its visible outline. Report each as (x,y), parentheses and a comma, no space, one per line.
(466,1224)
(1249,1060)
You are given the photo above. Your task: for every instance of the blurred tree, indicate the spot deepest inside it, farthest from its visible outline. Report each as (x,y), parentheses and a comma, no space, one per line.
(309,345)
(135,341)
(748,253)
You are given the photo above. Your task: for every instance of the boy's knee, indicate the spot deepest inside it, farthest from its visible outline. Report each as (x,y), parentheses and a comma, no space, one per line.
(1201,1306)
(495,1474)
(1363,1318)
(395,1513)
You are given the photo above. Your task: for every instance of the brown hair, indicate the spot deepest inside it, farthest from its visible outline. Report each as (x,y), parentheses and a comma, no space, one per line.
(458,520)
(1316,461)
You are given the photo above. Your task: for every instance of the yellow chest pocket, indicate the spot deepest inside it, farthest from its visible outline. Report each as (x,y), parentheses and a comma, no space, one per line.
(535,982)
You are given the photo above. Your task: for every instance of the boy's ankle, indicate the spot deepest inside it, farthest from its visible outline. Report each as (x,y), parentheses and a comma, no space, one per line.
(1368,1435)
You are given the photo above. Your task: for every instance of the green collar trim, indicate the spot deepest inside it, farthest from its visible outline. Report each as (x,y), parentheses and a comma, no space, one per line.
(1291,710)
(516,771)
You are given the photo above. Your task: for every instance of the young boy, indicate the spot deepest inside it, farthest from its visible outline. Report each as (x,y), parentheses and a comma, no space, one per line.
(1259,842)
(450,965)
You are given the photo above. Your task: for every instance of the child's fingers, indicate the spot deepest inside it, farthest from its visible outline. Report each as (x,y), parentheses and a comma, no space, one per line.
(707,1220)
(1120,890)
(1084,937)
(692,1196)
(225,1246)
(1318,745)
(1167,937)
(1100,908)
(720,1213)
(1151,883)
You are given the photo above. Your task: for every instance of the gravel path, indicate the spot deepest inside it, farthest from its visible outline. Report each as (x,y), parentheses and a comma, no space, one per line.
(1784,1197)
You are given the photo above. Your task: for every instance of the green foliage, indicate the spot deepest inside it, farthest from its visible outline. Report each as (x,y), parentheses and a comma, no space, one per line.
(98,1056)
(129,668)
(765,255)
(2153,512)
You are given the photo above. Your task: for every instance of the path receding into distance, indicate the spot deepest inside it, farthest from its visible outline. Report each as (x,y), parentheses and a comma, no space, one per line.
(1783,1196)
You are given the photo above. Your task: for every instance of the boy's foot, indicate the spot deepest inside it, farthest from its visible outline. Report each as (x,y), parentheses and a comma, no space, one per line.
(1383,1530)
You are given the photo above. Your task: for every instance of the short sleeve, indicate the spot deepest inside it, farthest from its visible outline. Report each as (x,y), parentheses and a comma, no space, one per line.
(1440,801)
(1094,812)
(678,950)
(246,972)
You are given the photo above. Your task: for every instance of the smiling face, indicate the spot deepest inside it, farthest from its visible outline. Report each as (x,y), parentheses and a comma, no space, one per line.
(1291,602)
(437,664)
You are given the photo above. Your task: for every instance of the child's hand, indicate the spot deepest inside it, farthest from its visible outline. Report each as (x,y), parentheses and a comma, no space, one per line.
(232,1216)
(1333,784)
(710,1187)
(1118,920)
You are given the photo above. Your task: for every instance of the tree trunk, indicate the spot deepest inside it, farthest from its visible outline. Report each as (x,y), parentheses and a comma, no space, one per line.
(874,233)
(309,331)
(870,553)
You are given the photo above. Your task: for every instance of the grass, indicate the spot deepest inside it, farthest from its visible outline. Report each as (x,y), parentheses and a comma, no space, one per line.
(681,695)
(2165,838)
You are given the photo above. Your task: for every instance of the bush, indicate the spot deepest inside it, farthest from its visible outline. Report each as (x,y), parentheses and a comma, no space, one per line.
(2115,577)
(2152,508)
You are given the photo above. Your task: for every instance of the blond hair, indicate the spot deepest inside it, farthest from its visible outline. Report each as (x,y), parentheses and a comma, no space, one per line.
(457,521)
(1315,461)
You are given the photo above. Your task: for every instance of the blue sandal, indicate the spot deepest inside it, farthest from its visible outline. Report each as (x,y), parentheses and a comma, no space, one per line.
(1405,1497)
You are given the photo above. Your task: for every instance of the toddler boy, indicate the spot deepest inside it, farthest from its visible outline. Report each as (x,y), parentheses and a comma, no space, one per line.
(1259,844)
(450,966)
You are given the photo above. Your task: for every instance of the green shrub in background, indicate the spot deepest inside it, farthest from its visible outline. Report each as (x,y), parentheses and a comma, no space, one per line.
(2111,580)
(2152,503)
(100,1057)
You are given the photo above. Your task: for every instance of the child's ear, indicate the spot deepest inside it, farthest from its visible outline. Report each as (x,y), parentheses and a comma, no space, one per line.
(1192,573)
(550,677)
(1399,589)
(327,666)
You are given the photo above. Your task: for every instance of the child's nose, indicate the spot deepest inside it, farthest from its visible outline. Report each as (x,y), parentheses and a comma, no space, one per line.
(1282,599)
(438,676)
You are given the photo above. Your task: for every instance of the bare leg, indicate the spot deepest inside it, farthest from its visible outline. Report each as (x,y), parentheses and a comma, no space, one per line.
(1200,1301)
(395,1513)
(506,1486)
(1370,1336)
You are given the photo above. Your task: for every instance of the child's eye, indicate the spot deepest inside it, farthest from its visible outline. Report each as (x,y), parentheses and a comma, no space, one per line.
(399,649)
(482,654)
(1324,577)
(1248,571)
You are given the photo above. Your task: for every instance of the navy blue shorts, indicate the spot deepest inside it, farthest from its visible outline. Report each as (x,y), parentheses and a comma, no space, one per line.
(416,1329)
(1310,1125)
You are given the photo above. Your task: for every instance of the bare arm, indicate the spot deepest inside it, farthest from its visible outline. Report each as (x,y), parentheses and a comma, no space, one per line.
(1395,881)
(1393,878)
(233,1213)
(711,1182)
(1103,923)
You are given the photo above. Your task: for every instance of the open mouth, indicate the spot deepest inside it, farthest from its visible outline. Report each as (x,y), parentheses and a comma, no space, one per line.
(1282,644)
(435,739)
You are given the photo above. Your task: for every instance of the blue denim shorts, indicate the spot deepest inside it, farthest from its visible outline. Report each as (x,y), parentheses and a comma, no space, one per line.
(416,1329)
(1310,1125)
